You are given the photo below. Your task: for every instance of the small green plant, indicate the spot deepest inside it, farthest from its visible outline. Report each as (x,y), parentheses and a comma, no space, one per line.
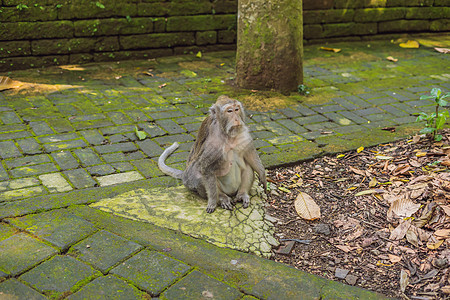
(434,121)
(303,90)
(21,6)
(99,5)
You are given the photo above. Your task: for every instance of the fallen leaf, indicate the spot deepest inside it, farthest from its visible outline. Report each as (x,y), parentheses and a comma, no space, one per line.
(394,258)
(162,85)
(402,169)
(411,236)
(360,149)
(420,154)
(357,171)
(306,207)
(7,83)
(330,49)
(140,134)
(283,189)
(446,209)
(373,182)
(199,54)
(404,281)
(383,157)
(410,44)
(434,246)
(403,206)
(400,231)
(446,289)
(442,233)
(442,50)
(207,294)
(366,192)
(392,59)
(344,248)
(340,155)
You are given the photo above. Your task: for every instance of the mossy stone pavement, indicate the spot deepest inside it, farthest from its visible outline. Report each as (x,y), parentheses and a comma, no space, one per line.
(85,212)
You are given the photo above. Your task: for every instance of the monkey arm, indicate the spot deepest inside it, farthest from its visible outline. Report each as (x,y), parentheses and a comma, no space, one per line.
(252,158)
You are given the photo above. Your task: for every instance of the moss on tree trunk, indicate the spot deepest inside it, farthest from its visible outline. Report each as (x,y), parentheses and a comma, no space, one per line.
(270,44)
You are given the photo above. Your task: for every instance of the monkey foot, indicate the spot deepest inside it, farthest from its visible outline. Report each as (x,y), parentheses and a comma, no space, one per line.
(210,210)
(245,198)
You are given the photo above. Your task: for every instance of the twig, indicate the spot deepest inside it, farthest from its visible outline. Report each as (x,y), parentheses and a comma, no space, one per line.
(371,224)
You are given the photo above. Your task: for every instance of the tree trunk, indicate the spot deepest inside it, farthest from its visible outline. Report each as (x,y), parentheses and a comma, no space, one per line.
(270,44)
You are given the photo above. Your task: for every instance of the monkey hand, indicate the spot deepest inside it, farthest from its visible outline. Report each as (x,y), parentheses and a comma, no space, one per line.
(225,202)
(210,208)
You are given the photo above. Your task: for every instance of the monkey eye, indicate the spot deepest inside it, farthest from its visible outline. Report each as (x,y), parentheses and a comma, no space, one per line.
(230,110)
(237,109)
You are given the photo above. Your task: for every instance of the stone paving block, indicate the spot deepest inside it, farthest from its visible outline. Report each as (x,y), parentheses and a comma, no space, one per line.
(14,289)
(328,108)
(8,150)
(137,115)
(108,287)
(119,178)
(320,126)
(124,147)
(21,252)
(338,118)
(148,167)
(353,117)
(15,127)
(92,124)
(368,111)
(80,179)
(59,275)
(33,170)
(29,146)
(87,157)
(58,137)
(65,160)
(60,125)
(14,135)
(27,161)
(92,136)
(292,126)
(117,129)
(119,118)
(150,148)
(40,128)
(197,285)
(170,126)
(192,127)
(379,117)
(357,101)
(262,134)
(5,231)
(122,166)
(344,103)
(3,173)
(170,139)
(310,119)
(289,112)
(21,193)
(55,183)
(104,250)
(151,271)
(160,115)
(65,145)
(57,227)
(101,170)
(19,183)
(118,138)
(10,117)
(403,107)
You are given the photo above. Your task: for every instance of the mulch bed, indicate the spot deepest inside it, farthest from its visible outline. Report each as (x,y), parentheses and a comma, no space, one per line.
(384,217)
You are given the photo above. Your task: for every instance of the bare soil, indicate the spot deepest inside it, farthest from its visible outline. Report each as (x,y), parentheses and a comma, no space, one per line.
(384,222)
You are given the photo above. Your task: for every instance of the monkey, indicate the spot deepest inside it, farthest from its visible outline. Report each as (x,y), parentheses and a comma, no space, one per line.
(222,162)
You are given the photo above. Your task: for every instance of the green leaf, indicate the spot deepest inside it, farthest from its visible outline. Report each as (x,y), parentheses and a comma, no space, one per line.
(440,121)
(424,97)
(445,96)
(436,92)
(140,134)
(442,102)
(99,4)
(438,137)
(427,130)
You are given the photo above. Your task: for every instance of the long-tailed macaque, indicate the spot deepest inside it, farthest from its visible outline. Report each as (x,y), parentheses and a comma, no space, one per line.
(223,159)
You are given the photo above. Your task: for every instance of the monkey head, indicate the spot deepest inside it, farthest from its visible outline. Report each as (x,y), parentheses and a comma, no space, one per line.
(229,113)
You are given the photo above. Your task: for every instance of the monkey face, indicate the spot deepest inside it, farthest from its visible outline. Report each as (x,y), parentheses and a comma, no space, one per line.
(232,118)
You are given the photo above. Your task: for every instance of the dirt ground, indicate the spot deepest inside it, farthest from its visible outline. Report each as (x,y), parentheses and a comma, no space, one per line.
(384,217)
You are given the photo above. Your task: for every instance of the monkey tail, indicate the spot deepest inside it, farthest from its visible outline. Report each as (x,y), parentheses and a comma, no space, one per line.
(165,168)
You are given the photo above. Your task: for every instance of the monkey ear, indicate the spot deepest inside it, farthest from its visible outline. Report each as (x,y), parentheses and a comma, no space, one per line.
(213,111)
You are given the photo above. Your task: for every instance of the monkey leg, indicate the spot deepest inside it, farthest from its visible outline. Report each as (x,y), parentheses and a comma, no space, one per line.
(247,177)
(225,201)
(212,191)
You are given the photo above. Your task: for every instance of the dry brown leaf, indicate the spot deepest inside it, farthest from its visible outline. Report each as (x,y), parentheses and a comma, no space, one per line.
(442,234)
(402,169)
(335,50)
(7,83)
(357,171)
(442,50)
(411,236)
(446,209)
(446,289)
(394,258)
(446,163)
(306,207)
(400,231)
(344,248)
(404,281)
(392,59)
(403,207)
